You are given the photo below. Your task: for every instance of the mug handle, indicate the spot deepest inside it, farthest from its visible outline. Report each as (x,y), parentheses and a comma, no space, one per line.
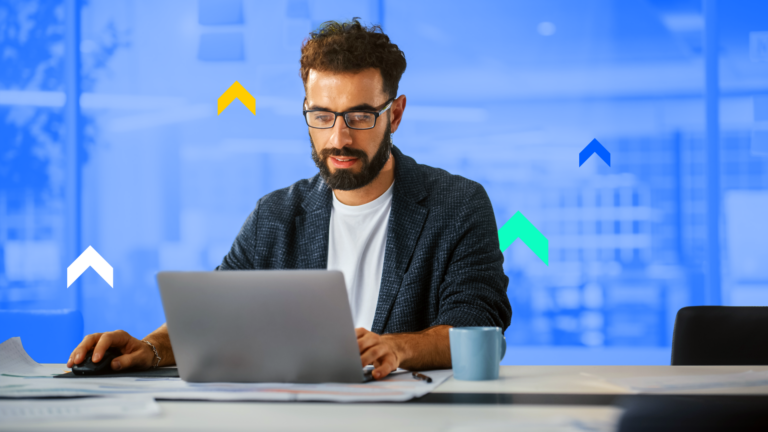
(503,346)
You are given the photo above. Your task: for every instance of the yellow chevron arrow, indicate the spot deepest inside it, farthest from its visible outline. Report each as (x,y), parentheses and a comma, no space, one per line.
(237,91)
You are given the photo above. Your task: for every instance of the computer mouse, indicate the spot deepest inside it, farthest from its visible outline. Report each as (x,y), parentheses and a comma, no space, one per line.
(103,367)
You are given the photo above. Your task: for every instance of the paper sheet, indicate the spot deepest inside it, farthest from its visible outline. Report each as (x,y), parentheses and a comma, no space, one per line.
(15,361)
(693,382)
(19,378)
(401,387)
(17,411)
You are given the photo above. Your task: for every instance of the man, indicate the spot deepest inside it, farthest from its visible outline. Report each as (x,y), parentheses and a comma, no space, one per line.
(418,247)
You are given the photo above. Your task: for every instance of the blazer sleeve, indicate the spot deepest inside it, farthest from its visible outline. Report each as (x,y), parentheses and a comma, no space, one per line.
(474,291)
(242,254)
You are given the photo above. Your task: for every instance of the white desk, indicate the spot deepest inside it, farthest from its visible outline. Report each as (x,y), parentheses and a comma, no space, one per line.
(411,417)
(583,379)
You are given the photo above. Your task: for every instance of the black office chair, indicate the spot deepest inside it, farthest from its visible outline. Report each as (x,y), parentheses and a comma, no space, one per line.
(720,335)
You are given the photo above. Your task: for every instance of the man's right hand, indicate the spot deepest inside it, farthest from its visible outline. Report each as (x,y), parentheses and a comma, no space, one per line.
(136,354)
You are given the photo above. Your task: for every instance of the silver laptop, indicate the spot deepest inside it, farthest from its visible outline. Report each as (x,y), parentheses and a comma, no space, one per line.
(292,326)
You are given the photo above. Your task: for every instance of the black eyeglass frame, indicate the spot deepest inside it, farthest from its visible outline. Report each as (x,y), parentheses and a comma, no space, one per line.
(376,115)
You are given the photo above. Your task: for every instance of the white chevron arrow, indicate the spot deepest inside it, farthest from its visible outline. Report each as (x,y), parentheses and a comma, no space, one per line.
(89,258)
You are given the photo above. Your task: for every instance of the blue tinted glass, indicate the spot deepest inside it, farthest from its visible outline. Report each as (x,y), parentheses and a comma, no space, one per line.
(134,159)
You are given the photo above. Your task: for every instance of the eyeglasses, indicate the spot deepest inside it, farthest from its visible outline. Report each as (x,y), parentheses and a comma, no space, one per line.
(358,120)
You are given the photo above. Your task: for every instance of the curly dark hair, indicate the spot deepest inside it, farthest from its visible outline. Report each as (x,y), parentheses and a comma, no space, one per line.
(351,47)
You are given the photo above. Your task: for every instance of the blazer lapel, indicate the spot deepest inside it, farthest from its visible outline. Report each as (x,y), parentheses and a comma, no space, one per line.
(312,228)
(406,220)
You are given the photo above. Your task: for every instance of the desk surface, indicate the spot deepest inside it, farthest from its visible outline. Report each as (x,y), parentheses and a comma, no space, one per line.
(418,416)
(591,379)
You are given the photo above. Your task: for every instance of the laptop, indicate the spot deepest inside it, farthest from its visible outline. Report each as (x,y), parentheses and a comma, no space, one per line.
(291,326)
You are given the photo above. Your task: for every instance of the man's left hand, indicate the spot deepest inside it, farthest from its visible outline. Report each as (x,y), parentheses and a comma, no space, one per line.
(376,351)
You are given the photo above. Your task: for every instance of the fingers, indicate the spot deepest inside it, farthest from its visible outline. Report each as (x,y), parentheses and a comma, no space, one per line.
(373,350)
(373,354)
(389,364)
(367,340)
(117,338)
(100,342)
(78,354)
(383,359)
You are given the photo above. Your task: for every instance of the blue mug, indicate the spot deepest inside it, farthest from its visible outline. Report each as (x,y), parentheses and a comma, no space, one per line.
(476,352)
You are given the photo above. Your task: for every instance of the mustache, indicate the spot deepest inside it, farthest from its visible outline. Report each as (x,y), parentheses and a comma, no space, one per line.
(344,151)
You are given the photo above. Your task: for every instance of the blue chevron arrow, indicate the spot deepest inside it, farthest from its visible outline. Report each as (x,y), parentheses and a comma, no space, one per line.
(594,147)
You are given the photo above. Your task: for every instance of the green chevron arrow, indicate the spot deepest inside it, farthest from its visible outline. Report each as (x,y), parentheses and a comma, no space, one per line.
(519,227)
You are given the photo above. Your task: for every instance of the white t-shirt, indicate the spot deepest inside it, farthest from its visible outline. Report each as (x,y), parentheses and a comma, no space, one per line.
(357,241)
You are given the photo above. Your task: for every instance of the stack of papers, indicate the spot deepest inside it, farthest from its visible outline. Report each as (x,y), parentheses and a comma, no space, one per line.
(20,376)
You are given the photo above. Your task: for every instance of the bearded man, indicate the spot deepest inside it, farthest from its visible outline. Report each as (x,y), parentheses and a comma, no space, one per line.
(418,246)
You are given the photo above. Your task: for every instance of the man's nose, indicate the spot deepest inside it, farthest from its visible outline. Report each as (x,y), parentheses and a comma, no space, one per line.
(340,136)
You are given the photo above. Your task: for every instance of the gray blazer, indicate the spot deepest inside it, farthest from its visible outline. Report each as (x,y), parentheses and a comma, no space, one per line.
(442,263)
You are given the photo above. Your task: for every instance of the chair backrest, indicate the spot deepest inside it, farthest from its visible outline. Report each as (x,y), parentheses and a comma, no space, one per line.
(720,335)
(48,336)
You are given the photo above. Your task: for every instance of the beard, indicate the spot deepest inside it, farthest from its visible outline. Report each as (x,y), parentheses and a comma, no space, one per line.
(344,179)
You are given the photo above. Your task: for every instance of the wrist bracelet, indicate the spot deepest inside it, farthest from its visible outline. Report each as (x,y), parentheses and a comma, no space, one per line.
(157,356)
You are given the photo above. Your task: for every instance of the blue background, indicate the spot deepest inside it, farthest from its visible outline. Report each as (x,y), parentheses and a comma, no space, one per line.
(109,137)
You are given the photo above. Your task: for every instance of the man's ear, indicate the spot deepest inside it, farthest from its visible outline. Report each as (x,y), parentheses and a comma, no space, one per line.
(398,107)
